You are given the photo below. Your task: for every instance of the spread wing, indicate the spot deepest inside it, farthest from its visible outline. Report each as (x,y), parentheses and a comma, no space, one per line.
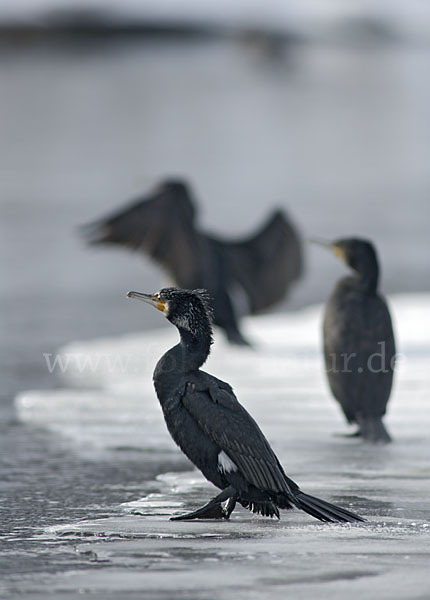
(267,263)
(161,225)
(224,420)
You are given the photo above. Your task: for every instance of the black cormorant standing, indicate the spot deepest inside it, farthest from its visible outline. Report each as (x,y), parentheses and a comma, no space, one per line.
(214,431)
(359,346)
(241,276)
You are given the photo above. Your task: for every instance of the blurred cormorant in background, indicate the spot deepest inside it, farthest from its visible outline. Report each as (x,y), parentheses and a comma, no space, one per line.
(213,430)
(162,225)
(359,347)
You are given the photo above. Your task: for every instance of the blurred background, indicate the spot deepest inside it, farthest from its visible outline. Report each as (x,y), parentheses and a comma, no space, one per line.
(318,107)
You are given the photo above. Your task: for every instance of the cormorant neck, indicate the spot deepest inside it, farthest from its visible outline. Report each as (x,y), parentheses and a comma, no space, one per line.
(195,349)
(368,275)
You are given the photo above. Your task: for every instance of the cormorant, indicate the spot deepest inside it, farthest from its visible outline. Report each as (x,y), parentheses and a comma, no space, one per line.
(213,430)
(242,276)
(359,347)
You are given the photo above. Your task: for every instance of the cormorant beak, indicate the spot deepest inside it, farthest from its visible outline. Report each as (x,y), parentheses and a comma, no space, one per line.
(330,245)
(340,253)
(152,299)
(320,242)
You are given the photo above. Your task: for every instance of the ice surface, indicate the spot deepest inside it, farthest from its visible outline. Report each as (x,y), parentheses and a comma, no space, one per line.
(251,558)
(109,405)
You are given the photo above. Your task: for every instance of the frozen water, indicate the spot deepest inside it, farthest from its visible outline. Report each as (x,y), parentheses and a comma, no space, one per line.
(109,404)
(250,558)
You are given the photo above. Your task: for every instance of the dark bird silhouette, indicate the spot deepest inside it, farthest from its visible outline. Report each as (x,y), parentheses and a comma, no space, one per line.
(213,430)
(359,347)
(250,274)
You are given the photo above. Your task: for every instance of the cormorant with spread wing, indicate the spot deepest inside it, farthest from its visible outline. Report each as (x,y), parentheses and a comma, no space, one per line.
(259,269)
(359,347)
(213,430)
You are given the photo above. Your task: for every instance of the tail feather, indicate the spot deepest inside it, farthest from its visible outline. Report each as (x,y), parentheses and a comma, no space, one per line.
(324,511)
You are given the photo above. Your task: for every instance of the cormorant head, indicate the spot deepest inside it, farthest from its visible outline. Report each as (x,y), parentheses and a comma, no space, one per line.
(174,186)
(360,255)
(357,253)
(189,310)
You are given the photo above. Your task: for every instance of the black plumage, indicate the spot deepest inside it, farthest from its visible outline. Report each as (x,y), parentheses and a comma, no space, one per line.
(359,347)
(215,432)
(242,276)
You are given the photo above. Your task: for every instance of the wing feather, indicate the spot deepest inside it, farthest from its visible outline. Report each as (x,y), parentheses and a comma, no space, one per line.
(267,263)
(228,424)
(162,226)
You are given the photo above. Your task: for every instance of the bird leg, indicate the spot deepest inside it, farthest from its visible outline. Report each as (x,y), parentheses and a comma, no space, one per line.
(373,430)
(229,507)
(213,509)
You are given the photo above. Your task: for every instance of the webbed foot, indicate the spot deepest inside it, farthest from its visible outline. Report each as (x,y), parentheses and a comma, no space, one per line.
(205,512)
(213,509)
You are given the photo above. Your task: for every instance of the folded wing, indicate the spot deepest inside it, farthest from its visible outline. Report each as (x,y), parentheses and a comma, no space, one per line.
(222,418)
